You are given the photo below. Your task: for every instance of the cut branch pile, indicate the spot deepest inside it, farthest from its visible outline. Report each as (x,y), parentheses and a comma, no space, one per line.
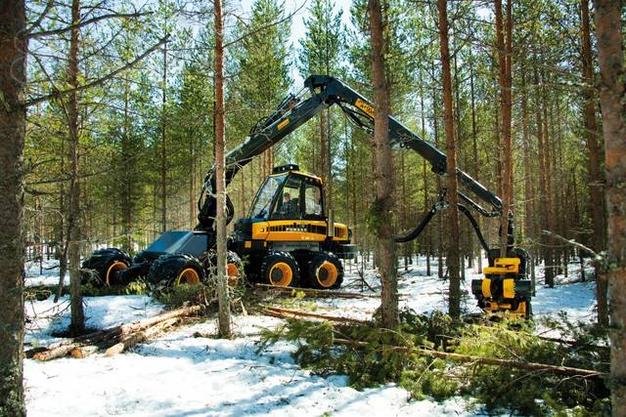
(114,339)
(456,357)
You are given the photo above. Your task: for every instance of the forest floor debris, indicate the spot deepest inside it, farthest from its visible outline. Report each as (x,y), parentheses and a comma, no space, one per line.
(179,374)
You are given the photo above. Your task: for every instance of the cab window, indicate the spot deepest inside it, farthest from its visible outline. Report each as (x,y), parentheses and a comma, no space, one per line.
(265,195)
(312,200)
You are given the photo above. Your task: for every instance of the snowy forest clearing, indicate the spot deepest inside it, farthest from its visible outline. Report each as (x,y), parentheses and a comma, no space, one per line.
(182,375)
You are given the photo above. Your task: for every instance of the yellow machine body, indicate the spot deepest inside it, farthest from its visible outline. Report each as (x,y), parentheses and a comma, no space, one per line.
(297,230)
(503,292)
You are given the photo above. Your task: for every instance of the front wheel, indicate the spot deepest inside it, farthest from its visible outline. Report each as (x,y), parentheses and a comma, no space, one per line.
(280,269)
(107,263)
(175,270)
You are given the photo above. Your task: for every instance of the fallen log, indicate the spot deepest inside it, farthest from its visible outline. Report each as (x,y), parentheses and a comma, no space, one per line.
(288,313)
(110,334)
(530,366)
(311,292)
(82,352)
(140,336)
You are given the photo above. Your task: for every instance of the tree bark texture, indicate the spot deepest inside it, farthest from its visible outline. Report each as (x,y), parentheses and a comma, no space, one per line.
(591,134)
(476,165)
(454,307)
(611,59)
(543,186)
(504,46)
(13,50)
(529,210)
(596,180)
(77,325)
(325,157)
(220,221)
(383,205)
(163,173)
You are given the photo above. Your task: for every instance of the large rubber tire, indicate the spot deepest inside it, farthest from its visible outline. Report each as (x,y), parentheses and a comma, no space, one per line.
(280,269)
(176,269)
(234,267)
(529,310)
(325,271)
(105,262)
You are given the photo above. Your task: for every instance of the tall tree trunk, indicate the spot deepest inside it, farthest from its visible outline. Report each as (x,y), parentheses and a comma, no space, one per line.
(543,183)
(383,205)
(127,197)
(325,164)
(164,143)
(476,173)
(503,42)
(13,49)
(454,307)
(598,219)
(222,285)
(611,59)
(77,325)
(547,143)
(428,239)
(528,189)
(440,241)
(192,180)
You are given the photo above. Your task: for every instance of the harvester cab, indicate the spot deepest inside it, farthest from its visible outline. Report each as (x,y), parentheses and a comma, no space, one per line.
(289,234)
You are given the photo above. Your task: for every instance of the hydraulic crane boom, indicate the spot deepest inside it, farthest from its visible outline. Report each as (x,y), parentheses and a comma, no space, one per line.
(294,111)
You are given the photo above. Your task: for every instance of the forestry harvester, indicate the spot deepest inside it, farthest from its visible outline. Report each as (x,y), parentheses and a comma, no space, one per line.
(289,238)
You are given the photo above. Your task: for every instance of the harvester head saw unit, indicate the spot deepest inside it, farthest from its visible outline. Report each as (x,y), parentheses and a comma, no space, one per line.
(504,292)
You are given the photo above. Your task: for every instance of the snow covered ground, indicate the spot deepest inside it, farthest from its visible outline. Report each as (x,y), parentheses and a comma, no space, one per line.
(44,273)
(182,375)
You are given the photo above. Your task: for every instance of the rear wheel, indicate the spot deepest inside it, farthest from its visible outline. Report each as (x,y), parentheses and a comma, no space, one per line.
(325,271)
(529,310)
(175,270)
(234,266)
(107,263)
(280,269)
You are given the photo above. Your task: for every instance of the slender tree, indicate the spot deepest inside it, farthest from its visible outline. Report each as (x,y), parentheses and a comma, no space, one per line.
(598,218)
(453,254)
(77,325)
(13,49)
(611,59)
(383,205)
(321,52)
(504,46)
(220,221)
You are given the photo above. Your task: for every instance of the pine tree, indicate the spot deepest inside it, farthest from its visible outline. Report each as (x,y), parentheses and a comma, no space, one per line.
(452,258)
(263,69)
(322,49)
(382,206)
(13,48)
(77,325)
(220,220)
(611,59)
